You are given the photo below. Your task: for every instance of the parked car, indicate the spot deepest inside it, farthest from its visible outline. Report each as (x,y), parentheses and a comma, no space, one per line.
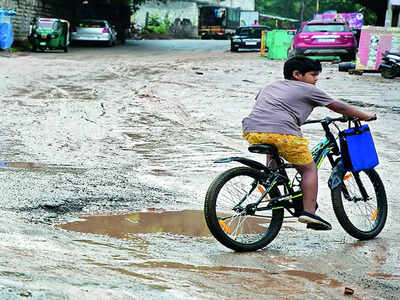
(247,37)
(97,31)
(324,38)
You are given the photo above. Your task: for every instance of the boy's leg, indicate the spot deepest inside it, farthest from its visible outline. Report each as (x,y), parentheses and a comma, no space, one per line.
(295,150)
(270,162)
(309,186)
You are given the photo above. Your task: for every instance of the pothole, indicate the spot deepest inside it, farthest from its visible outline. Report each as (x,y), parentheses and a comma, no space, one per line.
(185,222)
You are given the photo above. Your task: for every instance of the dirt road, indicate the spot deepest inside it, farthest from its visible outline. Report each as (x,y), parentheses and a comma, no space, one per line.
(128,136)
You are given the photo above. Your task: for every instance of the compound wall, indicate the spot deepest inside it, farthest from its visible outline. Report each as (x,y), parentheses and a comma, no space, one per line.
(243,4)
(27,9)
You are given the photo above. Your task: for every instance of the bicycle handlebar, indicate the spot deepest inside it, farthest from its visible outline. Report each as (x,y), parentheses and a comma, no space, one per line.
(342,119)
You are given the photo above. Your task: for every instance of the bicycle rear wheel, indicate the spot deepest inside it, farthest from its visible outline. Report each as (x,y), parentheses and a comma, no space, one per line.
(360,204)
(229,215)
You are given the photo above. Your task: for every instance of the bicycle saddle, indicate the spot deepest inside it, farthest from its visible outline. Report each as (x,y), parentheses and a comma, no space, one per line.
(263,149)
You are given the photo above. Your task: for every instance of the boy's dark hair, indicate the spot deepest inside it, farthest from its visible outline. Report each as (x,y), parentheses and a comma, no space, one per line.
(302,64)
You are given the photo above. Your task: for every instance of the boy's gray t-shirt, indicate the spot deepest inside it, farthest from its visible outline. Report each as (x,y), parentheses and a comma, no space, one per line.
(283,106)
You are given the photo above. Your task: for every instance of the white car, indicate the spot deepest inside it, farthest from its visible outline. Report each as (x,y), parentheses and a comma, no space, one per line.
(96,31)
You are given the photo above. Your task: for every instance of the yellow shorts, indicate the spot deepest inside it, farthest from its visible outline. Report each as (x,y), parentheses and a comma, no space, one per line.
(291,147)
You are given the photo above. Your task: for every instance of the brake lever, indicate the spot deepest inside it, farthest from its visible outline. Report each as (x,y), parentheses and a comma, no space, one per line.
(374,118)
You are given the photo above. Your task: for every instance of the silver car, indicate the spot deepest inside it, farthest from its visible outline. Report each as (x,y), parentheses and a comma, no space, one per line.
(97,31)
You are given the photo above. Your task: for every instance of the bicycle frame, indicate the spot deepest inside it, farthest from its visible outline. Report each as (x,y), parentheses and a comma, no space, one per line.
(292,198)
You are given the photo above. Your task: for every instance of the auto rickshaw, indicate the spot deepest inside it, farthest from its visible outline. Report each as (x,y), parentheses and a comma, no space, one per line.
(49,34)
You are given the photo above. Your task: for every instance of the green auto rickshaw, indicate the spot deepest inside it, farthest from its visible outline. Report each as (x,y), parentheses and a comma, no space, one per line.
(49,34)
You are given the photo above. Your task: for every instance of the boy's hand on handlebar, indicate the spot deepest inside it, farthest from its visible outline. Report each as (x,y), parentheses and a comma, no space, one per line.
(369,117)
(366,117)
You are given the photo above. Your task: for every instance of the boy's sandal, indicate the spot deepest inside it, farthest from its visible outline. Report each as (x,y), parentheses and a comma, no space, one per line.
(308,218)
(315,226)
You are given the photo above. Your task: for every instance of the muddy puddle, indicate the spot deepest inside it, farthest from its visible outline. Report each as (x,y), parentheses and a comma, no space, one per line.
(186,222)
(179,243)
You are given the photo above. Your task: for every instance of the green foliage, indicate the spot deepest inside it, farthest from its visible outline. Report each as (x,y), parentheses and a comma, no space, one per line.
(292,8)
(159,25)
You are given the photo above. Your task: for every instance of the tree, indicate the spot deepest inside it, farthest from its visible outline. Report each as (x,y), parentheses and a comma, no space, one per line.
(302,11)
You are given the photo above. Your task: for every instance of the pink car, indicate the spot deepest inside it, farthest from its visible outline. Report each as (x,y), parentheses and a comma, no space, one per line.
(324,38)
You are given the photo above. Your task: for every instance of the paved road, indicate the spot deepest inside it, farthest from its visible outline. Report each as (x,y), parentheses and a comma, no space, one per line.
(151,47)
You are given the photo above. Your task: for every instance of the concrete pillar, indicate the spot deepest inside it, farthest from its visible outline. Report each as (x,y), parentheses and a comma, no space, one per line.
(398,22)
(389,14)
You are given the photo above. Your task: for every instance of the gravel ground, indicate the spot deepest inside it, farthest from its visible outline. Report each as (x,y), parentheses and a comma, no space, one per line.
(134,129)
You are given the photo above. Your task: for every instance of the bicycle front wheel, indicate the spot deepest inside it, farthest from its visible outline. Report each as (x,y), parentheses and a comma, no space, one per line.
(231,215)
(360,204)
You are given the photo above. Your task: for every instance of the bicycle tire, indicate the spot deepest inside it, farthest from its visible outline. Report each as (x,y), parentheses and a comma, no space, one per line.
(361,219)
(219,203)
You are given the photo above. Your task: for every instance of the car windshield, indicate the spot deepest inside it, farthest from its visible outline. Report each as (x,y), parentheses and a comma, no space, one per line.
(92,24)
(325,28)
(250,32)
(47,25)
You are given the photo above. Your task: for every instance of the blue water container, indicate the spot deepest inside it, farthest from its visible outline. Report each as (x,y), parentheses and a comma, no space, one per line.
(6,33)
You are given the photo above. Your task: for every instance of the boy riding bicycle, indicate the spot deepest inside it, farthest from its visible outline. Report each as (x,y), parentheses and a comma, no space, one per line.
(280,109)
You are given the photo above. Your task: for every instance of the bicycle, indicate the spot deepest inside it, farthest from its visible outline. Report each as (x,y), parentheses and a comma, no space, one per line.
(244,206)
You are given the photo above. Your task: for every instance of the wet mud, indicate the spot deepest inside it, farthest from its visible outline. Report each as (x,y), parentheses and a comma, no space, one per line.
(188,223)
(105,158)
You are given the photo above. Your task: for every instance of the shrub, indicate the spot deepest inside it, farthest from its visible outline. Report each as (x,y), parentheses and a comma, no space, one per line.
(158,25)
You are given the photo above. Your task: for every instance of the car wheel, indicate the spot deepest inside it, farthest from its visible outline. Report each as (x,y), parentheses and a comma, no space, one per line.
(233,48)
(298,52)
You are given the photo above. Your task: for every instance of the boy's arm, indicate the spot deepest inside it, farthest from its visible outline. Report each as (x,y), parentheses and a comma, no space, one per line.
(345,109)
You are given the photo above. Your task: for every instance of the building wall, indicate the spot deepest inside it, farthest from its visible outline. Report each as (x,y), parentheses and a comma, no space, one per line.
(243,4)
(27,9)
(183,14)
